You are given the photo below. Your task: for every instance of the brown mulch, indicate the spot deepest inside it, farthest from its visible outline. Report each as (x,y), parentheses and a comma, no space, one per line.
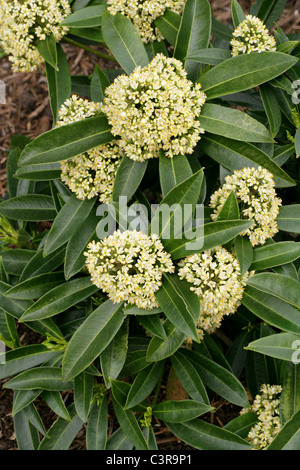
(27,111)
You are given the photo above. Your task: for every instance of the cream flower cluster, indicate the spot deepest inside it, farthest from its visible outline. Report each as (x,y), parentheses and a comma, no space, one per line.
(93,172)
(252,36)
(143,13)
(216,278)
(154,108)
(267,407)
(256,196)
(128,266)
(23,23)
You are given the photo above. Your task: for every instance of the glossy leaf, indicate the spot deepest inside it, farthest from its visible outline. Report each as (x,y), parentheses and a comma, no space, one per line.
(123,41)
(92,337)
(60,298)
(29,207)
(244,72)
(35,287)
(23,358)
(290,395)
(113,357)
(143,384)
(232,123)
(283,346)
(276,254)
(86,17)
(96,431)
(180,411)
(173,171)
(159,349)
(128,177)
(47,378)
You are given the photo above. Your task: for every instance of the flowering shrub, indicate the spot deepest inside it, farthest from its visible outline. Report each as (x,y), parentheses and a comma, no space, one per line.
(154,230)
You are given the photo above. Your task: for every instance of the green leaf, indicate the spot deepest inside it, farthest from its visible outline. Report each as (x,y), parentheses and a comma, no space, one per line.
(54,400)
(159,349)
(143,384)
(92,337)
(62,433)
(126,418)
(15,260)
(244,72)
(241,425)
(59,83)
(288,437)
(271,309)
(237,13)
(39,264)
(128,178)
(288,219)
(67,141)
(124,41)
(113,358)
(47,49)
(185,194)
(235,155)
(230,209)
(34,418)
(11,167)
(168,24)
(211,56)
(153,324)
(118,441)
(278,285)
(68,221)
(46,172)
(60,298)
(244,253)
(236,354)
(180,411)
(27,435)
(269,11)
(271,107)
(297,143)
(276,254)
(75,259)
(30,207)
(23,358)
(215,233)
(83,391)
(96,430)
(180,305)
(290,395)
(193,34)
(189,377)
(283,346)
(173,171)
(22,398)
(204,436)
(35,287)
(218,379)
(88,17)
(46,378)
(99,82)
(233,124)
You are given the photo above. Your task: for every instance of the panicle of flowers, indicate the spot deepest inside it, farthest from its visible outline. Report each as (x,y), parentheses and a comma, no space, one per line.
(267,406)
(252,36)
(256,196)
(128,266)
(143,13)
(93,172)
(216,278)
(23,24)
(155,108)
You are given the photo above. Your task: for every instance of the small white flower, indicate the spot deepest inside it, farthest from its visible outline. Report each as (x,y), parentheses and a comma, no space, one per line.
(143,13)
(216,279)
(22,23)
(252,36)
(155,108)
(256,196)
(128,266)
(267,407)
(93,172)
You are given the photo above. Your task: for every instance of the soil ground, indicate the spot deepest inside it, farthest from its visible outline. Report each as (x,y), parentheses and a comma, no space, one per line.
(27,111)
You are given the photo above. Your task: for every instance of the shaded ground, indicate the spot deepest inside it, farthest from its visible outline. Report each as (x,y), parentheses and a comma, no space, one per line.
(27,112)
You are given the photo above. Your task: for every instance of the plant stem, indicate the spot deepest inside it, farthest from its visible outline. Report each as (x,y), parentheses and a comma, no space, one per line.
(90,49)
